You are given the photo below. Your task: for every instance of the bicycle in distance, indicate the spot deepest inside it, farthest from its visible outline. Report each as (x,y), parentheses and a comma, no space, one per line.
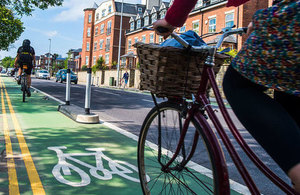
(178,148)
(24,84)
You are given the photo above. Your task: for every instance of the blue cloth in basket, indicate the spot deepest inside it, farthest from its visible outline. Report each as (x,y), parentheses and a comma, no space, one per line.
(190,36)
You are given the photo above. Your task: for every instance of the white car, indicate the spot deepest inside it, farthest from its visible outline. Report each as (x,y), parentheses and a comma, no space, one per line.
(42,74)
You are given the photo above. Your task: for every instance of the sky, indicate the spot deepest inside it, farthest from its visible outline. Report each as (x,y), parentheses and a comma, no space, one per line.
(63,25)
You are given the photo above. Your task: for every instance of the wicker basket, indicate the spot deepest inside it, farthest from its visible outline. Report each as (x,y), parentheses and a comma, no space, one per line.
(171,71)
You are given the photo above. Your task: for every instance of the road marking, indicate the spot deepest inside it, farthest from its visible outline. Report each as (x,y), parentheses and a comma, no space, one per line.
(233,184)
(46,94)
(12,173)
(36,184)
(108,92)
(147,100)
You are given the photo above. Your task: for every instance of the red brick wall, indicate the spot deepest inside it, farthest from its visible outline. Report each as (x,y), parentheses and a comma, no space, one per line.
(87,39)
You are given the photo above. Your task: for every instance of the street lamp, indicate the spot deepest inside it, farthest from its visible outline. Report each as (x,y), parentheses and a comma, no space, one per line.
(49,54)
(119,51)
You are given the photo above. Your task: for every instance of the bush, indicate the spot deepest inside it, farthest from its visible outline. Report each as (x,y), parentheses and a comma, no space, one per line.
(84,68)
(94,69)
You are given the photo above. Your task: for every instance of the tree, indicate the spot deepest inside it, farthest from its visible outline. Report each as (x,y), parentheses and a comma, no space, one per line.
(11,27)
(8,62)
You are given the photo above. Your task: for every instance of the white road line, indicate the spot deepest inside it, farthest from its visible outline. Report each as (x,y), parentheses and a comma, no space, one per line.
(46,94)
(233,184)
(147,100)
(108,92)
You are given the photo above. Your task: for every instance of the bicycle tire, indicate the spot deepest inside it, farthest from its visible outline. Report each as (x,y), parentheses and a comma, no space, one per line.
(23,88)
(206,183)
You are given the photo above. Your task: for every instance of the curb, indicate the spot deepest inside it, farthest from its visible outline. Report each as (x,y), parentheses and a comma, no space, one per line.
(77,114)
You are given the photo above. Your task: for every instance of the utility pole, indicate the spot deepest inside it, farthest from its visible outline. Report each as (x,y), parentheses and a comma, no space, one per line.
(49,54)
(119,51)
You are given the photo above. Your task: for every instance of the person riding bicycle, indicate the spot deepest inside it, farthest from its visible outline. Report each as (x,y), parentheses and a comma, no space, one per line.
(269,59)
(25,56)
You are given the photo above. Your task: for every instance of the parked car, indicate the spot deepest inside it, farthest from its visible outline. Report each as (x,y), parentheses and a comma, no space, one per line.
(42,74)
(10,71)
(61,76)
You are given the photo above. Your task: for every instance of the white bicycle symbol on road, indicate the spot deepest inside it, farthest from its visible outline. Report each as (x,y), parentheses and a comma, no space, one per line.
(117,167)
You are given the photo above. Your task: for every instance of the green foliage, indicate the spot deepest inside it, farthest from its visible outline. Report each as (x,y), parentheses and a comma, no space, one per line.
(10,25)
(66,63)
(22,7)
(94,69)
(232,53)
(138,65)
(114,63)
(84,68)
(8,62)
(11,28)
(100,64)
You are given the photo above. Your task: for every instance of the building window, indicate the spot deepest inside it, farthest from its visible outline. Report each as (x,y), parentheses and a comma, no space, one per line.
(162,14)
(94,60)
(97,16)
(129,44)
(136,40)
(95,46)
(108,29)
(138,24)
(146,21)
(109,9)
(144,38)
(87,60)
(123,62)
(151,38)
(212,25)
(199,3)
(101,44)
(160,39)
(229,19)
(87,46)
(196,27)
(103,12)
(182,29)
(88,32)
(140,10)
(107,46)
(131,26)
(96,31)
(107,58)
(90,18)
(154,17)
(102,29)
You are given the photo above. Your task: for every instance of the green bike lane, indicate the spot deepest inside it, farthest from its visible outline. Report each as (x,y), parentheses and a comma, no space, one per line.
(46,133)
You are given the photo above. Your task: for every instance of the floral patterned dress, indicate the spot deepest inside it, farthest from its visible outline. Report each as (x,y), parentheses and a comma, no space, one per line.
(271,55)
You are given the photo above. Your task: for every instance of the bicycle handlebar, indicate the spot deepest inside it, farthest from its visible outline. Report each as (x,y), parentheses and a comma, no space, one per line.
(225,33)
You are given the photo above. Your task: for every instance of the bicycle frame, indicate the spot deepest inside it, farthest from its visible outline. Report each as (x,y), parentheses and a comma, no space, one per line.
(202,102)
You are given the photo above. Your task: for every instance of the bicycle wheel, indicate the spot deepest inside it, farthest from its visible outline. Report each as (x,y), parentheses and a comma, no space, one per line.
(200,177)
(23,88)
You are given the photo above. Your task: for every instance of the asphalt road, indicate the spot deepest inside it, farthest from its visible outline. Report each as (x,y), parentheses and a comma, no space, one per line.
(127,110)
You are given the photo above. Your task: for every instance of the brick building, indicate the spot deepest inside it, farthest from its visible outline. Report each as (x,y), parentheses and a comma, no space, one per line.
(102,23)
(208,16)
(102,29)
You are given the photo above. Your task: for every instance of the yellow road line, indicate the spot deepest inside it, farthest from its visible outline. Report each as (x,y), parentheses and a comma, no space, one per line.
(12,173)
(36,184)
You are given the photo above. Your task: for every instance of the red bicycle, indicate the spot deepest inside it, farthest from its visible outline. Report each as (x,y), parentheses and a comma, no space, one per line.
(175,130)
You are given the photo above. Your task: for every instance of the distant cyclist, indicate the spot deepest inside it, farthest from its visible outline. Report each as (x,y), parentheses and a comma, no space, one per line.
(25,57)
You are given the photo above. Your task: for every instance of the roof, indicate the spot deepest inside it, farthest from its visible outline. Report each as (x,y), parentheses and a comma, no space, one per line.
(128,8)
(229,39)
(129,55)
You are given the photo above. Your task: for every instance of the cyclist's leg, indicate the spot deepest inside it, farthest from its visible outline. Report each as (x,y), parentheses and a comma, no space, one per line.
(292,104)
(265,118)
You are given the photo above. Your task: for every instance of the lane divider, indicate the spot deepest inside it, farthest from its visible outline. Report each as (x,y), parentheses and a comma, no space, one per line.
(13,185)
(36,184)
